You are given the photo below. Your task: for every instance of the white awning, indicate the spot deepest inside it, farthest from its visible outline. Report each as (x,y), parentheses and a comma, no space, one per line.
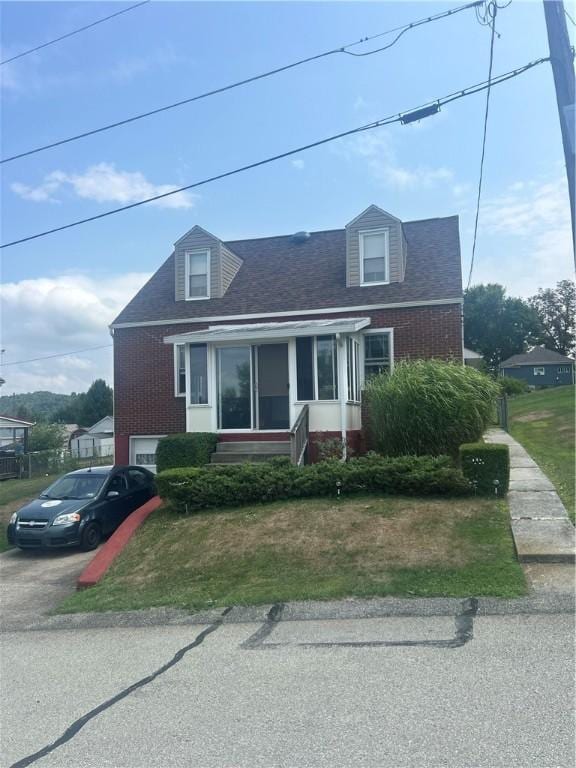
(265,331)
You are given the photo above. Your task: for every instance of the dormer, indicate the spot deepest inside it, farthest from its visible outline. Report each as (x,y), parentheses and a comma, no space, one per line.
(375,249)
(205,267)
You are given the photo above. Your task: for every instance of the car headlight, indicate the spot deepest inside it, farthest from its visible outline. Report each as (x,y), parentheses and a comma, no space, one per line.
(67,518)
(13,518)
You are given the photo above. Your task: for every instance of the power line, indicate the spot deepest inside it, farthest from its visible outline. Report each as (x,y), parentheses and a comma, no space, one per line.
(342,49)
(370,126)
(61,354)
(74,32)
(491,11)
(569,17)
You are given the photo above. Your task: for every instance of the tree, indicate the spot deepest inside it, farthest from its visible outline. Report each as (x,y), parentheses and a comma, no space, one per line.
(96,403)
(556,309)
(496,325)
(44,437)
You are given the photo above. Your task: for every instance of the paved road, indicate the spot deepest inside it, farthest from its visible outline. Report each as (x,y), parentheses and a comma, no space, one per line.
(392,692)
(32,583)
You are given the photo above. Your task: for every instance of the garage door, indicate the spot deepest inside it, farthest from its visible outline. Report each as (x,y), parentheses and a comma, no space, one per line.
(143,451)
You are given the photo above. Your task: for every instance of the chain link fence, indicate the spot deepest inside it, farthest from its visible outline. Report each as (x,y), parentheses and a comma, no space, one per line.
(56,462)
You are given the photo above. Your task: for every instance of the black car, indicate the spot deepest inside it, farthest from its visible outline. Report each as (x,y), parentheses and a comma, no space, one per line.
(81,507)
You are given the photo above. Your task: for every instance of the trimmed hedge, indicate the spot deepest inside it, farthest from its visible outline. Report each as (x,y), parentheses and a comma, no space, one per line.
(484,465)
(234,485)
(191,449)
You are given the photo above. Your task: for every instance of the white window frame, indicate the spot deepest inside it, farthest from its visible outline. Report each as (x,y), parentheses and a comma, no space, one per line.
(316,399)
(361,235)
(539,370)
(187,255)
(190,404)
(177,369)
(390,332)
(353,358)
(132,454)
(563,369)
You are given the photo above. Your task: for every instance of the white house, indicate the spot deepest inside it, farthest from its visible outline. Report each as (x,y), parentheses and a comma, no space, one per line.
(96,441)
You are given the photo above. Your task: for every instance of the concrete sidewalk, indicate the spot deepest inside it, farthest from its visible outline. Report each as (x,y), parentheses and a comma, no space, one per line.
(542,530)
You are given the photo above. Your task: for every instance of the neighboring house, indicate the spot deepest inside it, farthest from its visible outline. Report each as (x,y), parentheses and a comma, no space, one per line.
(473,359)
(96,441)
(540,367)
(14,434)
(244,337)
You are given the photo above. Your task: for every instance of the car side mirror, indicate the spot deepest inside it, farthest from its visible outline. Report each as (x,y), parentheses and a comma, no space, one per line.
(112,494)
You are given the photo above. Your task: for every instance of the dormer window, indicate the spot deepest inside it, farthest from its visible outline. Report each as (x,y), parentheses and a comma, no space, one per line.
(374,256)
(198,274)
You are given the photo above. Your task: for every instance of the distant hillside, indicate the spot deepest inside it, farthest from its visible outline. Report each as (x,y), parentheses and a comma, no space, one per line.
(39,406)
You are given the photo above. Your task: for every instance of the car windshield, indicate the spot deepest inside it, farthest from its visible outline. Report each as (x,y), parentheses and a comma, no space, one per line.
(74,487)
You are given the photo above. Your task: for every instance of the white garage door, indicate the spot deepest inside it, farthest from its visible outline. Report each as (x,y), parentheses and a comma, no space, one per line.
(143,452)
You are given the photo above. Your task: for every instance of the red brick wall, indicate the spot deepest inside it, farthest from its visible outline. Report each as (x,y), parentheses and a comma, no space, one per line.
(144,401)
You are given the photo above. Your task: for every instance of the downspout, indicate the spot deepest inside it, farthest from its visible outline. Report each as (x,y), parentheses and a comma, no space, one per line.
(343,389)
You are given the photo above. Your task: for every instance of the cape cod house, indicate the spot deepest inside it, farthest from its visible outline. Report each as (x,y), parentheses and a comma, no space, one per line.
(268,341)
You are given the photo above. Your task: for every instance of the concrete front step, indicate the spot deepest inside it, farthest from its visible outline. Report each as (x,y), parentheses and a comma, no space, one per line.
(241,457)
(274,447)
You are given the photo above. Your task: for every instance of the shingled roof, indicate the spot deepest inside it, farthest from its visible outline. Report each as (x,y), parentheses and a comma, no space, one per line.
(279,274)
(537,356)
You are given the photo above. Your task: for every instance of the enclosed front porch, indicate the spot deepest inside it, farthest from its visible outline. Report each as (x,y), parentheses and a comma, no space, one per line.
(261,381)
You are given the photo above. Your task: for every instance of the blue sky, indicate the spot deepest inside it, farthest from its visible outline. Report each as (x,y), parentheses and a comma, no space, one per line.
(61,291)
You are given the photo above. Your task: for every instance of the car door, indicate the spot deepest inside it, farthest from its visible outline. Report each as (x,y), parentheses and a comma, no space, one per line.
(116,502)
(138,487)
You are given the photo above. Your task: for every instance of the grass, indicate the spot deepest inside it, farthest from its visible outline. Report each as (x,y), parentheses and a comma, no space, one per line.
(543,421)
(13,495)
(312,549)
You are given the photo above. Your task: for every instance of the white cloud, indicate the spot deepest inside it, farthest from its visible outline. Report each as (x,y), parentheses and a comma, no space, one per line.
(525,237)
(376,150)
(49,316)
(104,184)
(298,163)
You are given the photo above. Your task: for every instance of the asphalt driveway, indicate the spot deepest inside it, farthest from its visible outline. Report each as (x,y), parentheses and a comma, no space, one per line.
(32,583)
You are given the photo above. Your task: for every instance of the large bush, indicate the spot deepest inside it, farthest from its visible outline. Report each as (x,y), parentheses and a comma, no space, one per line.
(428,407)
(235,485)
(191,449)
(510,386)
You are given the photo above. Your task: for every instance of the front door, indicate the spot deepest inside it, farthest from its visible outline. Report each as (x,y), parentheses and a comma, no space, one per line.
(234,388)
(271,391)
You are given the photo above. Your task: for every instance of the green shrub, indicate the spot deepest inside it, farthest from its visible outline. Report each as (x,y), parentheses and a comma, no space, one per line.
(191,449)
(235,485)
(487,467)
(511,386)
(428,407)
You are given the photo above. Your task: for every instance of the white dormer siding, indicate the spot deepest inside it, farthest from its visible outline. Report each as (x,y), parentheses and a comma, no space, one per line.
(372,235)
(222,265)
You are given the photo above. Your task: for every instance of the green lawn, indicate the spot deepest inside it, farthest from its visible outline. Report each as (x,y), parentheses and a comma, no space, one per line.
(312,549)
(13,495)
(543,421)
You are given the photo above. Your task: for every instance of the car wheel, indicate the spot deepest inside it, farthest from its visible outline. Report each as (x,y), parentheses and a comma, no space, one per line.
(91,537)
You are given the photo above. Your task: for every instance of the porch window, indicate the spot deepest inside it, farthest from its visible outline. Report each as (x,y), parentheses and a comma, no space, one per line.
(180,369)
(327,367)
(374,256)
(376,354)
(198,374)
(352,359)
(316,368)
(197,274)
(564,369)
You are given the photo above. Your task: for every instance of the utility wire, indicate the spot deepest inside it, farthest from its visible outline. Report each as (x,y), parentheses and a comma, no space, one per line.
(74,32)
(342,49)
(370,126)
(570,17)
(49,357)
(491,11)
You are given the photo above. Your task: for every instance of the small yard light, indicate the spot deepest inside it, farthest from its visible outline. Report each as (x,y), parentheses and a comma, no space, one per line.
(496,486)
(338,486)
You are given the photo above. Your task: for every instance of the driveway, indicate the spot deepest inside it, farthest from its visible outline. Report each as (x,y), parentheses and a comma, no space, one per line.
(33,583)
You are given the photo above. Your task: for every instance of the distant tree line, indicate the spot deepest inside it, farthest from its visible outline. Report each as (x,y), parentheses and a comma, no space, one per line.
(499,326)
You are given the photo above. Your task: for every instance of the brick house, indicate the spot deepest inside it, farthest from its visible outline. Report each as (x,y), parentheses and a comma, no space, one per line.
(268,341)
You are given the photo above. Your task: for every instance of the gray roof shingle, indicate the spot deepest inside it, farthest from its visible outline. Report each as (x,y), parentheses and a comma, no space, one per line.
(536,356)
(280,275)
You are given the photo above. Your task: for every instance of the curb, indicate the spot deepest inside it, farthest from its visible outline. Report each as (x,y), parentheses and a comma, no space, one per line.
(106,555)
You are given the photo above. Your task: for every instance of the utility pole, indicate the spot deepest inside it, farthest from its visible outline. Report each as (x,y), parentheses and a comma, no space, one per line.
(562,60)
